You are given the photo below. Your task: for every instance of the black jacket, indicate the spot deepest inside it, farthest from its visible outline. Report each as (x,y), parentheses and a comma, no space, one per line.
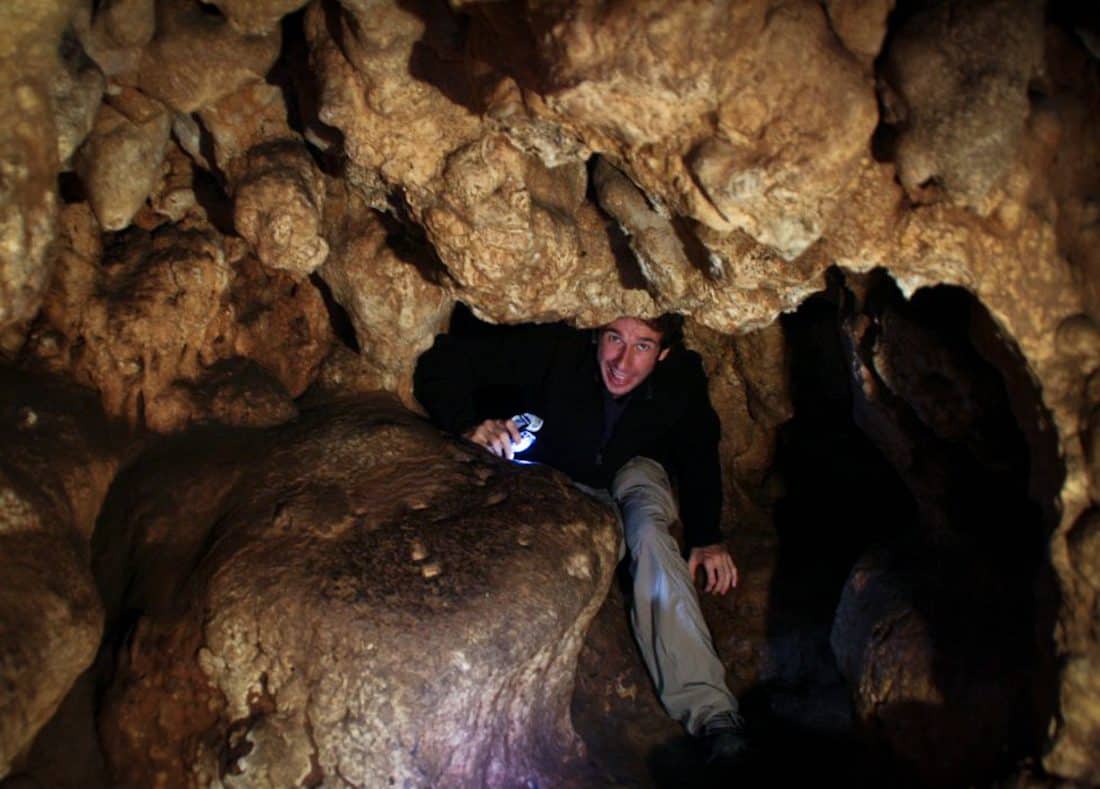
(552,371)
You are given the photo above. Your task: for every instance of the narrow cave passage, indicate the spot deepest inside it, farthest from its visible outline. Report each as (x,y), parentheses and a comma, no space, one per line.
(911,536)
(908,598)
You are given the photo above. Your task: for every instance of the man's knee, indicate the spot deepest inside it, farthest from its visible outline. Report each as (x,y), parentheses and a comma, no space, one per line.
(640,474)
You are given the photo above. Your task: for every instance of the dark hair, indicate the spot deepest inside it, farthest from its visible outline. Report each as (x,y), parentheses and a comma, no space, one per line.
(671,327)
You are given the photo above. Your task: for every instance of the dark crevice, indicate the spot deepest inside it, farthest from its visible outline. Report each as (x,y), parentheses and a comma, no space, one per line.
(934,480)
(70,188)
(338,317)
(407,239)
(293,76)
(694,249)
(210,194)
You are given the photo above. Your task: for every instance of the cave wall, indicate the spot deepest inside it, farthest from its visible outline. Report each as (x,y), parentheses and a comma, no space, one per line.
(187,184)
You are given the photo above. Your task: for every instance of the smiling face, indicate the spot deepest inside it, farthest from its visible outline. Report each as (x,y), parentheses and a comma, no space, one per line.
(628,352)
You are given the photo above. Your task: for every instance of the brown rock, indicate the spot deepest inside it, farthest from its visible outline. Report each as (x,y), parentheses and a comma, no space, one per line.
(724,139)
(29,64)
(514,258)
(253,115)
(161,307)
(116,33)
(197,58)
(395,301)
(965,103)
(173,198)
(1079,339)
(77,89)
(276,321)
(120,162)
(235,392)
(1084,544)
(1092,437)
(278,202)
(860,25)
(662,257)
(398,130)
(1074,751)
(316,648)
(54,473)
(256,17)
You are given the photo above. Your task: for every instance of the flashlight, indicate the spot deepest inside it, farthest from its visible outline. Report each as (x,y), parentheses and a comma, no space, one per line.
(528,425)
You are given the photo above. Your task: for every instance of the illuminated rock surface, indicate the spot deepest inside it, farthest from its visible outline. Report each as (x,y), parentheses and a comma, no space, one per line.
(352,598)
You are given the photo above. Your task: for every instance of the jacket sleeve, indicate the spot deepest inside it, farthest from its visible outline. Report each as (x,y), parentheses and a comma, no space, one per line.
(696,464)
(449,374)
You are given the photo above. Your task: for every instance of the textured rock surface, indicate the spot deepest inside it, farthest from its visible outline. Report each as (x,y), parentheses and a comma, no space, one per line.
(964,103)
(375,605)
(28,152)
(724,139)
(56,465)
(120,161)
(196,58)
(391,294)
(105,321)
(278,203)
(256,16)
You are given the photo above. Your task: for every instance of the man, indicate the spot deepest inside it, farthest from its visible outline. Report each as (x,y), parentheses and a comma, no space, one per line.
(615,417)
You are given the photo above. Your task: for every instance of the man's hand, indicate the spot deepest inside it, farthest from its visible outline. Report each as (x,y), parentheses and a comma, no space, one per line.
(496,435)
(717,564)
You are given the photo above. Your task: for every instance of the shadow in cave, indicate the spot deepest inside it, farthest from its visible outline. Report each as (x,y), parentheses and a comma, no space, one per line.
(911,561)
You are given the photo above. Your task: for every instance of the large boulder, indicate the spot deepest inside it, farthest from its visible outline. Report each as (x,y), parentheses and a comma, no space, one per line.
(351,598)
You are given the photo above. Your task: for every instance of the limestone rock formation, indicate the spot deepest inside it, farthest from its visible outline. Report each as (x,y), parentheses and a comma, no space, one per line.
(561,160)
(28,153)
(860,25)
(393,296)
(196,58)
(120,161)
(116,33)
(503,227)
(58,460)
(369,603)
(725,139)
(77,89)
(256,16)
(105,319)
(278,203)
(964,104)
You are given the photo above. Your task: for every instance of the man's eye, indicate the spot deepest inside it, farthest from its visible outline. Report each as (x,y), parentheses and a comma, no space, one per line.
(644,347)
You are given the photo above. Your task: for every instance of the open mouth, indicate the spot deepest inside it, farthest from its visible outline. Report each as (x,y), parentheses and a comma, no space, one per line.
(616,378)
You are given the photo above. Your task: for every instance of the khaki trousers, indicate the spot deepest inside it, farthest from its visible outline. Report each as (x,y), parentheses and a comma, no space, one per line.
(668,625)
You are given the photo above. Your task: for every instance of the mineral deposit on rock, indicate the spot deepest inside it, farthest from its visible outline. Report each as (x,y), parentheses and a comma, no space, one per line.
(395,301)
(120,161)
(965,103)
(105,321)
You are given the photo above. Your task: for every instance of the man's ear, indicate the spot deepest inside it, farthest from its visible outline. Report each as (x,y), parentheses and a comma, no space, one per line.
(661,356)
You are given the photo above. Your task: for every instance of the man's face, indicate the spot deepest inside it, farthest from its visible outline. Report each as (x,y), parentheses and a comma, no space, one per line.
(628,352)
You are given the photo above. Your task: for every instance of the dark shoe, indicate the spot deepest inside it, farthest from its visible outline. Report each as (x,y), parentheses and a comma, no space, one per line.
(724,739)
